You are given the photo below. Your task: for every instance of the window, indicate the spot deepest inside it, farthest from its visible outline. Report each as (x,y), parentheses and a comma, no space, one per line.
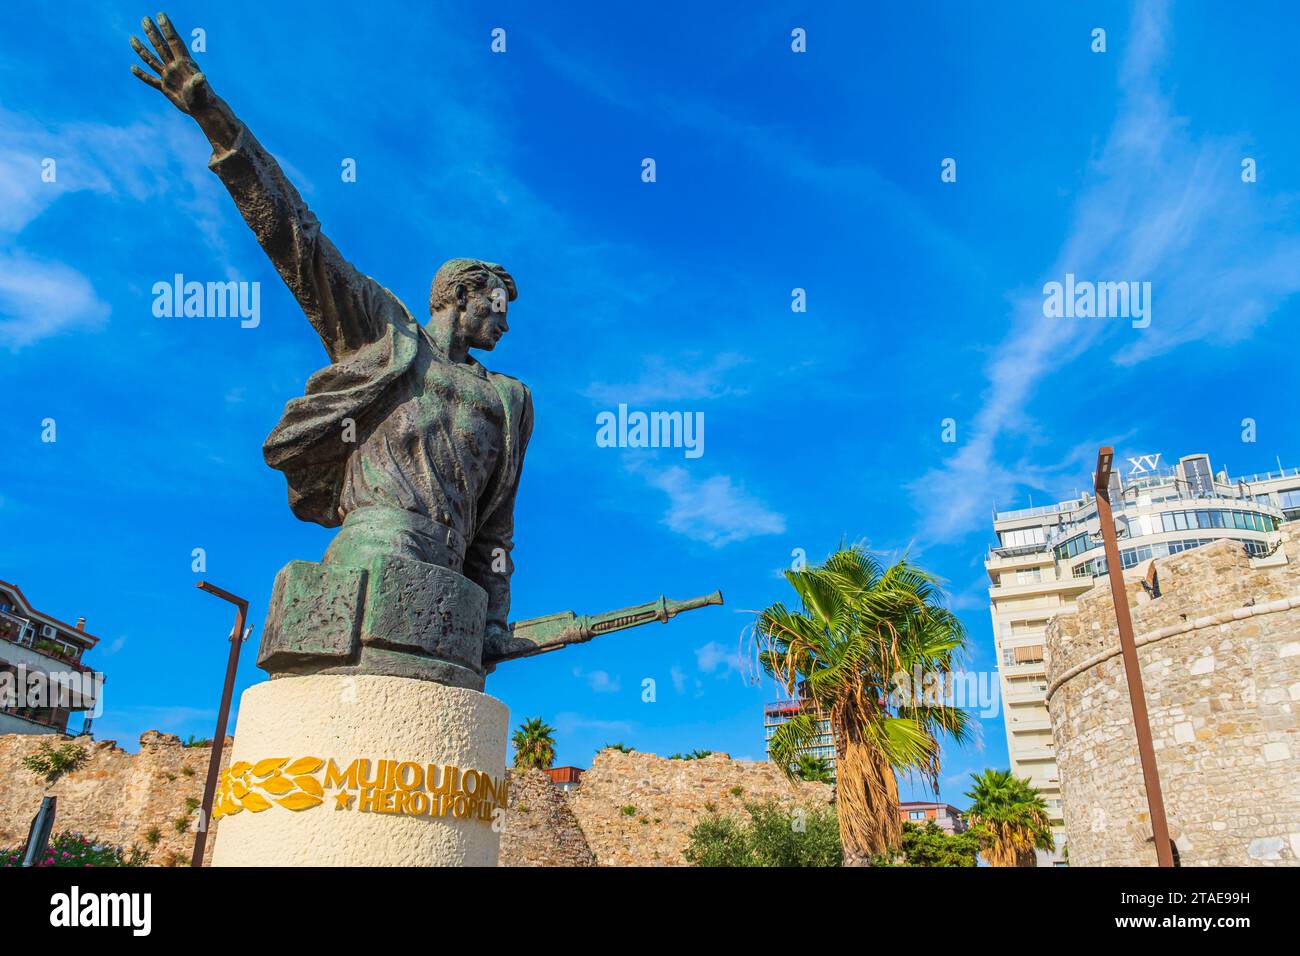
(916,814)
(1289,502)
(1022,537)
(1074,546)
(1028,576)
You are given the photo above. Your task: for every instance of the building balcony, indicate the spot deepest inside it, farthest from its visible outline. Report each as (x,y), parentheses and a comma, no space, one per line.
(21,632)
(32,720)
(1024,669)
(1029,725)
(1036,755)
(1025,695)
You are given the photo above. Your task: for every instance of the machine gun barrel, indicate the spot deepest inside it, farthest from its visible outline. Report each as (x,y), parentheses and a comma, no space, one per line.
(537,635)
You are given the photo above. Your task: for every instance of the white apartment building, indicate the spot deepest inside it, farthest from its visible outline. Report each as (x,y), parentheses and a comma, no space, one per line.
(41,654)
(1047,556)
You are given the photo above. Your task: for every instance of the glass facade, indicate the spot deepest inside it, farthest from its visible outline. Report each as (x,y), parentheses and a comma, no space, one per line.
(1132,557)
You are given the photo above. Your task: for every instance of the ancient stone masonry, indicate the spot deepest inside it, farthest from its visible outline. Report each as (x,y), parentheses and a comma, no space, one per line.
(1220,658)
(121,798)
(541,829)
(638,809)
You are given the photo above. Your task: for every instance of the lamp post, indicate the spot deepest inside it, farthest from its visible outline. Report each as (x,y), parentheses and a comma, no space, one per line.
(1146,752)
(219,741)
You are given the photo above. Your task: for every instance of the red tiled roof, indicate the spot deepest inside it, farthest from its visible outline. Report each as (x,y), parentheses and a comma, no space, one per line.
(89,638)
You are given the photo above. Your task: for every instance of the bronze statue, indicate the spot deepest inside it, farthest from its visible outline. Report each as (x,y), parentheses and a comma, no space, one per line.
(405,441)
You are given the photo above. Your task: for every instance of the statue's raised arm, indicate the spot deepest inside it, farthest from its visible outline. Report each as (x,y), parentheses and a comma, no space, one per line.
(347,309)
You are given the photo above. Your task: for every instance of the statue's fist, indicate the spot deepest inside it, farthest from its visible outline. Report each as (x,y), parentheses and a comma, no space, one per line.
(175,74)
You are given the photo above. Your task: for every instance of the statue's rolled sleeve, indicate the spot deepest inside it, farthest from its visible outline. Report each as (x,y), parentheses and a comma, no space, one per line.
(344,306)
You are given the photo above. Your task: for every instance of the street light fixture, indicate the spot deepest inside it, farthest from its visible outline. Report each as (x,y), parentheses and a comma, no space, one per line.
(237,636)
(1128,647)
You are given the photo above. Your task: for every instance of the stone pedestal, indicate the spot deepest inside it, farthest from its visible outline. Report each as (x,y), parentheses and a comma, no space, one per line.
(363,770)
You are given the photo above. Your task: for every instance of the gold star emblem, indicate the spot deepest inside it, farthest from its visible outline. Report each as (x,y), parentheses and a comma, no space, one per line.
(343,801)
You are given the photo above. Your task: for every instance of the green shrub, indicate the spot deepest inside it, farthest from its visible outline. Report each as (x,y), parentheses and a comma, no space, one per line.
(930,846)
(693,755)
(50,763)
(629,810)
(152,836)
(772,836)
(76,849)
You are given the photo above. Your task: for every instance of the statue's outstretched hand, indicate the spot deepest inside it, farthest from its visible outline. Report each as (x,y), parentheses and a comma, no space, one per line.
(177,75)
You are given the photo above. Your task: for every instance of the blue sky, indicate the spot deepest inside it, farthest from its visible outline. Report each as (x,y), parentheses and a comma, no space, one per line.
(775,170)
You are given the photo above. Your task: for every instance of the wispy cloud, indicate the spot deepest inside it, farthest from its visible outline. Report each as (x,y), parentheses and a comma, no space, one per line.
(569,722)
(113,647)
(714,658)
(41,163)
(1157,206)
(40,298)
(684,378)
(712,510)
(679,679)
(599,681)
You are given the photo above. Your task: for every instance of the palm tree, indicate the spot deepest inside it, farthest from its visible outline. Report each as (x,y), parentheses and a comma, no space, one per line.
(534,745)
(861,630)
(812,769)
(1010,818)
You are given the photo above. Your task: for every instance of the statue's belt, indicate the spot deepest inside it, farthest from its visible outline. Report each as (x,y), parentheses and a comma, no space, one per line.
(413,522)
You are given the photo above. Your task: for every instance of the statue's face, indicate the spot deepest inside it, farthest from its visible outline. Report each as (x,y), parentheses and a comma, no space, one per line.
(483,316)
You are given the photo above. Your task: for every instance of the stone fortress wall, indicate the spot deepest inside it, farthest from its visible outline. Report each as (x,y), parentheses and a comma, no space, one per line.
(115,796)
(123,798)
(1220,658)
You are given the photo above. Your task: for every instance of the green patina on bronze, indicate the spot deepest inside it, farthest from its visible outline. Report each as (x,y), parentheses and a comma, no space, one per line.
(404,442)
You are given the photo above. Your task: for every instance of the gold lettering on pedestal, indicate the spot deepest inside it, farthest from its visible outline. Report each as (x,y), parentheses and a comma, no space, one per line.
(395,787)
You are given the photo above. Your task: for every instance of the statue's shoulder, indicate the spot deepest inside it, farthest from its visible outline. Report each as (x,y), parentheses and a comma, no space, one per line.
(518,399)
(516,389)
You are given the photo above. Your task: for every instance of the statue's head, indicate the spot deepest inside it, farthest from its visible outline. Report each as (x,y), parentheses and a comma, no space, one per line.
(468,302)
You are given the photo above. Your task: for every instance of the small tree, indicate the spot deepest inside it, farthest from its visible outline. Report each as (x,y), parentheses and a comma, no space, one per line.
(534,745)
(620,747)
(50,763)
(930,846)
(1010,817)
(772,836)
(812,769)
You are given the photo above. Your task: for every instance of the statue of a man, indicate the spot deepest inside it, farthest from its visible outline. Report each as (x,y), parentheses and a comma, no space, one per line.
(405,440)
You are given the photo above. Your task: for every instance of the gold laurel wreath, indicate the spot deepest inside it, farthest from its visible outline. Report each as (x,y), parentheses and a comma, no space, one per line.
(292,787)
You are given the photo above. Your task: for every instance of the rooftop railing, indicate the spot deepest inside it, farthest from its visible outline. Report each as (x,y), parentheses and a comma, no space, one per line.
(1035,512)
(1271,475)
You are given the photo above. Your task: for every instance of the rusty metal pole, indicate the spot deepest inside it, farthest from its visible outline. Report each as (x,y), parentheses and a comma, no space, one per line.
(1128,647)
(219,741)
